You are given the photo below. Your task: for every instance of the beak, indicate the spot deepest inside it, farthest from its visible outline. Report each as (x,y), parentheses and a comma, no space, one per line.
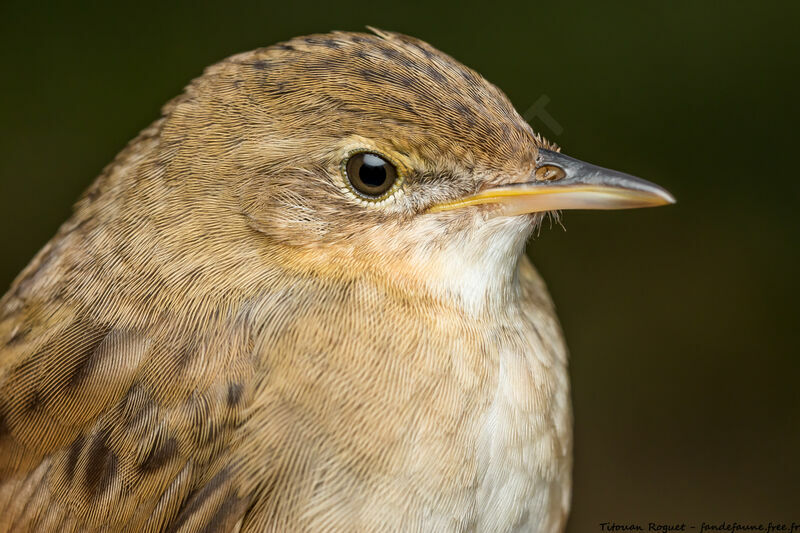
(561,182)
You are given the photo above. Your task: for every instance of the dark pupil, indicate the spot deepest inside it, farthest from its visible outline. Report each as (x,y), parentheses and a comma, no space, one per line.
(373,171)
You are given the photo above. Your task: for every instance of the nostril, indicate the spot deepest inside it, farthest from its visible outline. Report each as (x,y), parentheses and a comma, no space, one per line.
(549,173)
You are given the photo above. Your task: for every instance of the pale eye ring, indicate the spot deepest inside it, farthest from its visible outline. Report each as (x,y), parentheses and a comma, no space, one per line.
(370,174)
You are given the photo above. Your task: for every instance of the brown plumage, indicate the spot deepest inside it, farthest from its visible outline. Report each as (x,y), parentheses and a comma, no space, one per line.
(225,336)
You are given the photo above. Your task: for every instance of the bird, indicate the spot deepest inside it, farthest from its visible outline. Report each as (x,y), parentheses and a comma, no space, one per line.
(300,301)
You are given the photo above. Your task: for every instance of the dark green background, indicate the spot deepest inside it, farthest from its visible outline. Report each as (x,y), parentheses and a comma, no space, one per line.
(682,321)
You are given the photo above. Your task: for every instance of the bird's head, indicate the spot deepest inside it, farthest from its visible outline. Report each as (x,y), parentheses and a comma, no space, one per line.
(377,153)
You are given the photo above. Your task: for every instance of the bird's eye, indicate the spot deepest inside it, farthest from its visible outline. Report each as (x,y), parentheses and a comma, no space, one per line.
(370,174)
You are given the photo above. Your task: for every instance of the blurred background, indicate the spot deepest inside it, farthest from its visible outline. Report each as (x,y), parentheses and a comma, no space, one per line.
(682,321)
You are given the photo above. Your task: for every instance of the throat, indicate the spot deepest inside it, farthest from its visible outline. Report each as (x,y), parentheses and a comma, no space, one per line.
(476,268)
